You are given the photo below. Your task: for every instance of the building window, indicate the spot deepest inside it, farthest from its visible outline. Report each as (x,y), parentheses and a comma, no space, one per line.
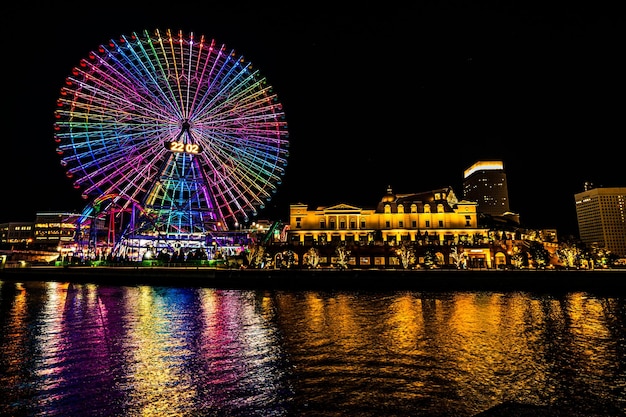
(332,224)
(400,223)
(352,224)
(440,223)
(468,221)
(387,224)
(427,223)
(362,224)
(298,220)
(413,224)
(342,224)
(322,224)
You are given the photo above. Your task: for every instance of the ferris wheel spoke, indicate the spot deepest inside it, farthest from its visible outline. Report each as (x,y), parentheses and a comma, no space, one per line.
(142,67)
(199,74)
(256,155)
(219,95)
(209,68)
(229,105)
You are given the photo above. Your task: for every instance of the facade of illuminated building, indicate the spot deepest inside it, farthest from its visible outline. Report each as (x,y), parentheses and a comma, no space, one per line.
(16,234)
(601,214)
(435,219)
(54,229)
(485,182)
(60,231)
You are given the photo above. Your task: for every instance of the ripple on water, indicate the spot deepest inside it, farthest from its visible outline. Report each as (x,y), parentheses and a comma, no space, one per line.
(144,350)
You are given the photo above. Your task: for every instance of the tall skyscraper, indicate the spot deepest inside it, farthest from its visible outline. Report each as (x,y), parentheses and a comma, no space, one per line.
(601,214)
(485,183)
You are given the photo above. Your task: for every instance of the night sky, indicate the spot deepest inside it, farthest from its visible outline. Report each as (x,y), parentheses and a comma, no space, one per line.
(407,94)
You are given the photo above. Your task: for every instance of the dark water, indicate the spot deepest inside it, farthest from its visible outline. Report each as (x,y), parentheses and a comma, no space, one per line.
(89,350)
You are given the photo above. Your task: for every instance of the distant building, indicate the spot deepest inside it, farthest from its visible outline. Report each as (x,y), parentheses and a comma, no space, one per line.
(601,214)
(485,183)
(53,230)
(16,235)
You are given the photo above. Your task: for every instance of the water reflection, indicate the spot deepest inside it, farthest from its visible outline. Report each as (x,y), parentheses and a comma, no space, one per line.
(452,353)
(154,351)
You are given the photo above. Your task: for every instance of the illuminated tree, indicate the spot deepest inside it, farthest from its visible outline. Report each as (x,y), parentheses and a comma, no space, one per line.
(519,257)
(288,259)
(311,258)
(342,257)
(256,256)
(406,253)
(539,254)
(459,259)
(569,253)
(430,259)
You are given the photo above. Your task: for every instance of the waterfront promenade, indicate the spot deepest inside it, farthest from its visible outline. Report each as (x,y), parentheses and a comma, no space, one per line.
(605,280)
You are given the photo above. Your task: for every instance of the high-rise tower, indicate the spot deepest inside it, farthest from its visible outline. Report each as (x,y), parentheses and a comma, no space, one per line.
(601,214)
(485,183)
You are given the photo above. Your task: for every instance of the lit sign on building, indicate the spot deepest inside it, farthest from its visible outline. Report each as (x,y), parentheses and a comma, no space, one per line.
(484,166)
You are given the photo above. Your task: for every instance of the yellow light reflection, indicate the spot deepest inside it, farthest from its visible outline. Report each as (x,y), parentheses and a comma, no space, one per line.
(50,337)
(406,325)
(13,343)
(491,347)
(592,345)
(158,385)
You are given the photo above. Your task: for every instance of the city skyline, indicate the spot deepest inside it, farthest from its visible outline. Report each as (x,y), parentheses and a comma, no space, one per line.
(407,96)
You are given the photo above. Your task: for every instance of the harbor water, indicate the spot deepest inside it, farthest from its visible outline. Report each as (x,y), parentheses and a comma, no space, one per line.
(80,349)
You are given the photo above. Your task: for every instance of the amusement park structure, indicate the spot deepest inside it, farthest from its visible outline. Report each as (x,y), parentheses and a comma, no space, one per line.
(174,141)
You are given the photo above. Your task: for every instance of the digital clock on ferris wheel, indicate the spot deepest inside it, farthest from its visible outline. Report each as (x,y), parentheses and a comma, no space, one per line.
(181,147)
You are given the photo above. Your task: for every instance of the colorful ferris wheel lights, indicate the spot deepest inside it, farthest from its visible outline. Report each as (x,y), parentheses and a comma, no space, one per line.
(183,128)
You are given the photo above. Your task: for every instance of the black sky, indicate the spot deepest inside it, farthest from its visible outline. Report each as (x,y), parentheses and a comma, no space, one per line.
(406,94)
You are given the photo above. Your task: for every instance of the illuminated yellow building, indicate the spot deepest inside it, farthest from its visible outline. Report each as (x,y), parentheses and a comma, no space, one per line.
(432,218)
(601,214)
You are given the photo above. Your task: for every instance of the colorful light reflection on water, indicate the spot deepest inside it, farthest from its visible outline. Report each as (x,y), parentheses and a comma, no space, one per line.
(72,349)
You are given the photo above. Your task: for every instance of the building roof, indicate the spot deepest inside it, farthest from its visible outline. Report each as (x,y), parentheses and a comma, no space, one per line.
(444,196)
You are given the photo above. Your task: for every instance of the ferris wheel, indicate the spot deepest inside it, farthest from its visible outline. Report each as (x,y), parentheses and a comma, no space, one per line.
(175,124)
